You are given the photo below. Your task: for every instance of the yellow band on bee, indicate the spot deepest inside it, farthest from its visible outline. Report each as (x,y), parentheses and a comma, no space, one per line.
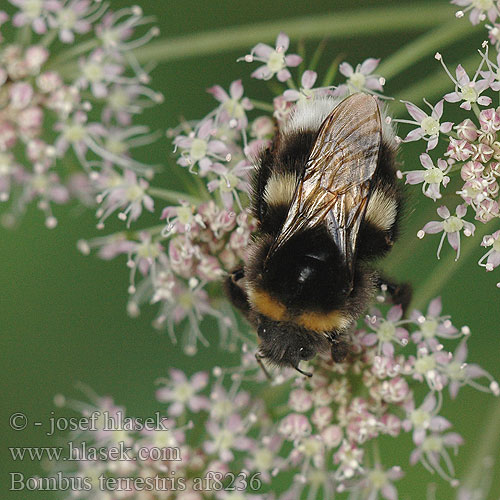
(323,322)
(267,305)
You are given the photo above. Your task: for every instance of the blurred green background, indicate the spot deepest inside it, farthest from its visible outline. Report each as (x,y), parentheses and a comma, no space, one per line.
(62,315)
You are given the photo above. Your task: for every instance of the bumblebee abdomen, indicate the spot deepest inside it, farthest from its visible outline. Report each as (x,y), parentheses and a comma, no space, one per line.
(380,227)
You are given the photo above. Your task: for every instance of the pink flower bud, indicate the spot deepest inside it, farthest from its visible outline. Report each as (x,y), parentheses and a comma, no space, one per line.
(332,436)
(495,168)
(7,136)
(48,81)
(487,210)
(180,260)
(459,150)
(300,400)
(295,426)
(482,152)
(20,95)
(30,120)
(489,120)
(225,220)
(322,416)
(35,57)
(395,390)
(322,396)
(208,268)
(467,130)
(471,170)
(392,424)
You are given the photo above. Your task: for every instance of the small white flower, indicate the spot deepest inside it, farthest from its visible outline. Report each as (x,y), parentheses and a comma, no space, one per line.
(276,62)
(429,126)
(451,226)
(360,79)
(492,256)
(432,177)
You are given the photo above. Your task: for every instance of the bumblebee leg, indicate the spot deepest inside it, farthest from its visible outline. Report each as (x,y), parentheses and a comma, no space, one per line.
(400,293)
(339,350)
(259,359)
(236,293)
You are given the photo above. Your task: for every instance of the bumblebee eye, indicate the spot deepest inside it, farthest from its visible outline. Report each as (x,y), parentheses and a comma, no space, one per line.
(262,331)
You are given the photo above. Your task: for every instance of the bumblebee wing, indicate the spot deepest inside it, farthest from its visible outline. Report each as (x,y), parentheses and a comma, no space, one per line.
(335,186)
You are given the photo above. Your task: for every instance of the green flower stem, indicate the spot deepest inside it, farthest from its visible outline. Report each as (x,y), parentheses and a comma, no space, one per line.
(301,51)
(317,55)
(423,46)
(65,62)
(291,84)
(334,25)
(200,189)
(447,267)
(24,35)
(486,446)
(172,196)
(153,231)
(476,110)
(332,71)
(262,105)
(48,38)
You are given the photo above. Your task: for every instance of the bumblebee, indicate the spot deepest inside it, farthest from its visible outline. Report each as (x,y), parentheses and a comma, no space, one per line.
(327,204)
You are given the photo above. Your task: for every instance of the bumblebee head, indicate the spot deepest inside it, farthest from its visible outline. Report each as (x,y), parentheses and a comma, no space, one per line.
(287,344)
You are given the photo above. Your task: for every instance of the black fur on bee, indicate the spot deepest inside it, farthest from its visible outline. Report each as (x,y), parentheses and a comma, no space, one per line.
(328,205)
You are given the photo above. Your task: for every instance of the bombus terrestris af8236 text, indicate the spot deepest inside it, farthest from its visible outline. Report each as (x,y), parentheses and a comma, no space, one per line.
(327,204)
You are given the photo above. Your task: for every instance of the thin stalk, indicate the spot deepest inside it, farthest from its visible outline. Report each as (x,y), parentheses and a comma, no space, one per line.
(172,196)
(301,50)
(485,447)
(263,106)
(48,38)
(334,25)
(317,55)
(71,54)
(332,71)
(423,46)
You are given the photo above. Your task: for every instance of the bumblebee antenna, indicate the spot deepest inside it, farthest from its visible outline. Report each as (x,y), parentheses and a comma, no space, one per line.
(307,374)
(259,359)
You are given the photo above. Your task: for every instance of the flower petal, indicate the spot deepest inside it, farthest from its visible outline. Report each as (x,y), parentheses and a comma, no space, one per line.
(293,60)
(433,227)
(236,90)
(426,161)
(219,93)
(262,50)
(308,79)
(282,41)
(415,111)
(452,97)
(346,69)
(443,212)
(435,307)
(414,135)
(454,240)
(368,66)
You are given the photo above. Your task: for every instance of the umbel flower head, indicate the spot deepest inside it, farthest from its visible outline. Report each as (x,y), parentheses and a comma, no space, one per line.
(322,433)
(322,438)
(65,129)
(204,234)
(467,151)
